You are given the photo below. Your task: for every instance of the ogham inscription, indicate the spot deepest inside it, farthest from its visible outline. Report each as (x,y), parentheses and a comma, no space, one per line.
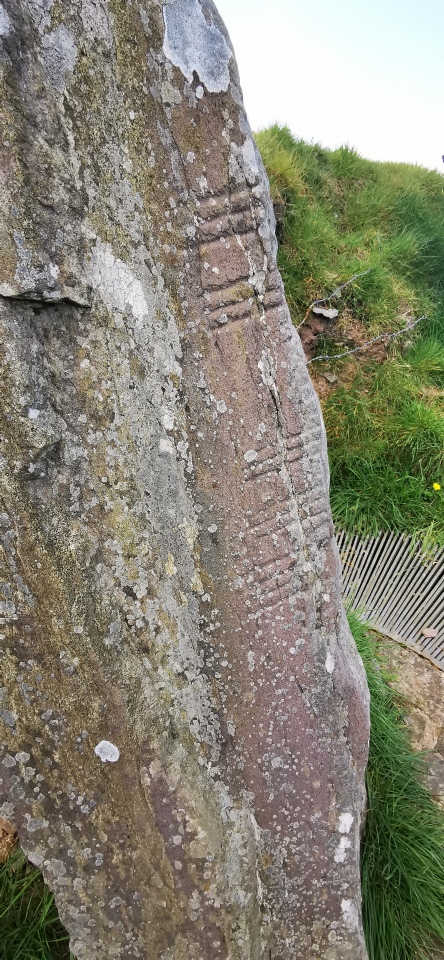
(263,483)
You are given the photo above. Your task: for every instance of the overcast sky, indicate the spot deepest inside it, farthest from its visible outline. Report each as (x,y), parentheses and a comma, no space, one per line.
(369,73)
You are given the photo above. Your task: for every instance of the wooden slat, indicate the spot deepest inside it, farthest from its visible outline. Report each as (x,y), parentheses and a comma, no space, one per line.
(392,584)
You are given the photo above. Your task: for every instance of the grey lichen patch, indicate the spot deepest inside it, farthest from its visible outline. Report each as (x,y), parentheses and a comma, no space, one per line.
(59,54)
(97,21)
(9,718)
(195,45)
(40,12)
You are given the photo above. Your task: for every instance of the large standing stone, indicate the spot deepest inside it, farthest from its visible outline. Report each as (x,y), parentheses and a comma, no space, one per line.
(184,713)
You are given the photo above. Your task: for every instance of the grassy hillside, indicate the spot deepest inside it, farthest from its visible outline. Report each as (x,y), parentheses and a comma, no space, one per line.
(340,215)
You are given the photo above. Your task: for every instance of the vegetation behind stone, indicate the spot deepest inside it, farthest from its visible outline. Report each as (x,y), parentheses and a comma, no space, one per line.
(339,215)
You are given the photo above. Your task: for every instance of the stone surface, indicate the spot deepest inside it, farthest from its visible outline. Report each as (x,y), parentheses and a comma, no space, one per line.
(184,713)
(422,685)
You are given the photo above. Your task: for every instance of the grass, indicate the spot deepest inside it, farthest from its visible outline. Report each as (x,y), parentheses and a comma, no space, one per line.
(339,215)
(30,928)
(386,443)
(402,862)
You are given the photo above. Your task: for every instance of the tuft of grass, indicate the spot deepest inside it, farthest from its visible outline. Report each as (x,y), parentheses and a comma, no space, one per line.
(402,861)
(386,447)
(29,923)
(426,360)
(340,214)
(344,214)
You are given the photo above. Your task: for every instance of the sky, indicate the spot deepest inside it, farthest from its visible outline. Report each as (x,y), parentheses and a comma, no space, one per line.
(368,73)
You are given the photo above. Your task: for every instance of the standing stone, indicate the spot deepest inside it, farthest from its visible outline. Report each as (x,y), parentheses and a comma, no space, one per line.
(184,713)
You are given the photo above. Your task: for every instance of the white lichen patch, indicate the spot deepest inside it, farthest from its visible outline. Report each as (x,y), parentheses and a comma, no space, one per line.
(251,660)
(329,663)
(168,420)
(107,751)
(5,23)
(341,850)
(345,822)
(244,164)
(166,445)
(117,286)
(250,160)
(350,914)
(194,45)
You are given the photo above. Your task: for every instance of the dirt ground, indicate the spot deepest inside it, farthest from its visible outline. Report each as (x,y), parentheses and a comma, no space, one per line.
(345,333)
(8,839)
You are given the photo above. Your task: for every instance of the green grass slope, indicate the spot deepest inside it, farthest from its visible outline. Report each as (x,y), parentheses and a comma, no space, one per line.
(340,215)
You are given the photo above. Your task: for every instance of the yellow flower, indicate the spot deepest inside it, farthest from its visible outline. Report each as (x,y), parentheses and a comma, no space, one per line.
(437,486)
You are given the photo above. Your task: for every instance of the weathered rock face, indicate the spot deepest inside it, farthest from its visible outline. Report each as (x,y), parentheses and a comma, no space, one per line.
(422,685)
(184,714)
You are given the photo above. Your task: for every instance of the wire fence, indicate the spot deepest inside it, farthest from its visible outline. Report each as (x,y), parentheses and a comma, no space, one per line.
(346,353)
(381,336)
(335,295)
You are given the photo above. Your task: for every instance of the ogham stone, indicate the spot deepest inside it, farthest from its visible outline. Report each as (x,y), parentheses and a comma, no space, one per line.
(184,715)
